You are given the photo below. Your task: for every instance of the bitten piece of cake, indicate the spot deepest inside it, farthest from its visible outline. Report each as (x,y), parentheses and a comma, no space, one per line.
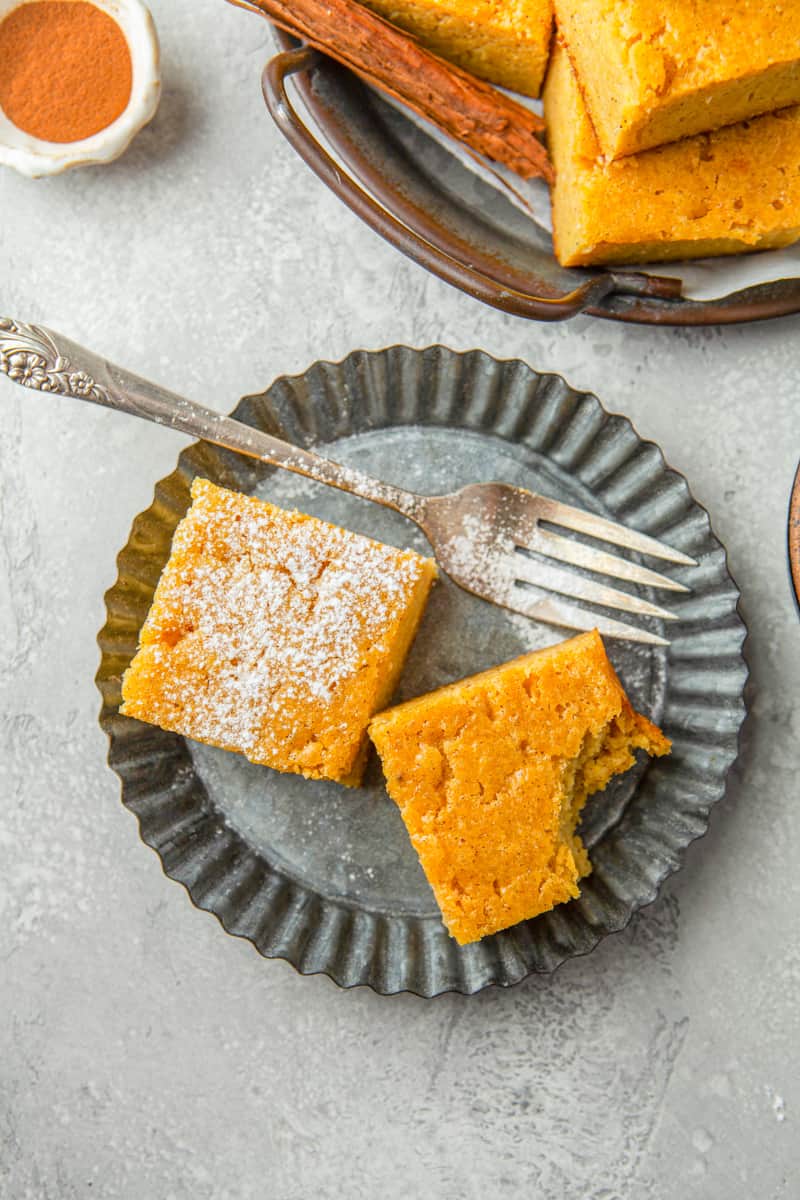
(719,193)
(275,635)
(507,44)
(491,773)
(653,73)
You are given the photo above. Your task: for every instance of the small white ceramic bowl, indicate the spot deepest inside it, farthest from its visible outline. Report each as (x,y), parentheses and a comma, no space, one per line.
(34,157)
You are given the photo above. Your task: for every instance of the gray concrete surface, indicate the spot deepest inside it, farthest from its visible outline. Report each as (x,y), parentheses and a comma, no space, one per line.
(144,1054)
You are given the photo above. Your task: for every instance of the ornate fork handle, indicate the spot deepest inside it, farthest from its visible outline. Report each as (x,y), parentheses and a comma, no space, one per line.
(37,358)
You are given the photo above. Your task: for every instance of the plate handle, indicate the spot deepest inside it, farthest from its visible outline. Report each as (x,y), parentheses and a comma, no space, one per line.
(482,287)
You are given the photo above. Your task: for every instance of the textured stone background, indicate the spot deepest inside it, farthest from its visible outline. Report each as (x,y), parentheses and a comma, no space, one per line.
(142,1052)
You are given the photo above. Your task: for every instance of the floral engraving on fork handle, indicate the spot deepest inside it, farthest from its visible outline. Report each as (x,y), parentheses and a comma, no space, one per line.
(30,357)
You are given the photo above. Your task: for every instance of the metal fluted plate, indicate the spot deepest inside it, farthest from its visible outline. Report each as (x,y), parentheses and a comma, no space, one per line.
(325,876)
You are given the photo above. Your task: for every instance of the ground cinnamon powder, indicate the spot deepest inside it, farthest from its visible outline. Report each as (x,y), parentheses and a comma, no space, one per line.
(65,69)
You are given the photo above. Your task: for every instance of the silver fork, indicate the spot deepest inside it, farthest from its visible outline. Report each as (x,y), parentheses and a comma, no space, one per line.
(489,537)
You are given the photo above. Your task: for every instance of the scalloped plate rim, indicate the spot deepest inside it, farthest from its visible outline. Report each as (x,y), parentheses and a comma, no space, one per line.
(107,713)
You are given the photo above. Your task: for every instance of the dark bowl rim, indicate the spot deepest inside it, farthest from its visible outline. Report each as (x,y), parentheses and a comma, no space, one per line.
(794,536)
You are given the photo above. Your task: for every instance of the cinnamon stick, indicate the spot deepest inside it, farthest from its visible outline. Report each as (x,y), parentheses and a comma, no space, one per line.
(468,109)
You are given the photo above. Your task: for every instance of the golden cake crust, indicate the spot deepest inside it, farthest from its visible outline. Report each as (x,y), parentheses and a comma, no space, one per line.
(722,193)
(491,772)
(504,41)
(274,634)
(654,73)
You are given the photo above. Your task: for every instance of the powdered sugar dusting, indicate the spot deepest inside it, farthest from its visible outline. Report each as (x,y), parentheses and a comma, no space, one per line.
(262,617)
(475,555)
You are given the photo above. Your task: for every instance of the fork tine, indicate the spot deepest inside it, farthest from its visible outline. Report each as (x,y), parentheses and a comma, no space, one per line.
(556,612)
(600,561)
(567,583)
(607,531)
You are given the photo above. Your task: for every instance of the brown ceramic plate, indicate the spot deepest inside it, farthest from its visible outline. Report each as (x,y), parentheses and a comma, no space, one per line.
(794,535)
(423,201)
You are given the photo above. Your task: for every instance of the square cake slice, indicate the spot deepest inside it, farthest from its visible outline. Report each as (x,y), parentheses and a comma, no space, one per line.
(275,635)
(506,43)
(653,73)
(721,193)
(490,775)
